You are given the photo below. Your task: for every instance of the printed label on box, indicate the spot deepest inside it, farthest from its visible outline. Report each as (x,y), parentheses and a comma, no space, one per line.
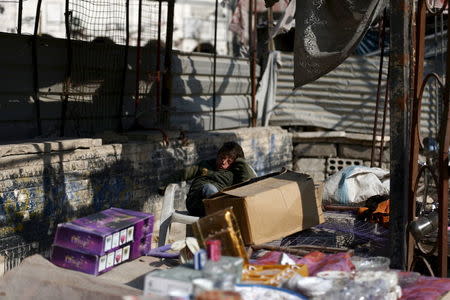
(110,260)
(118,257)
(126,253)
(130,233)
(123,237)
(115,240)
(108,242)
(102,263)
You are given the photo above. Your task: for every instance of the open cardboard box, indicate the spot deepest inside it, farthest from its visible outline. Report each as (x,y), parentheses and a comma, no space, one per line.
(271,207)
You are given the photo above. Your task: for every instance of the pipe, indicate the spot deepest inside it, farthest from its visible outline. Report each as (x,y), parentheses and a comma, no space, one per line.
(125,61)
(166,98)
(67,83)
(415,120)
(35,68)
(399,91)
(215,64)
(252,48)
(138,60)
(380,75)
(383,128)
(444,134)
(19,17)
(158,61)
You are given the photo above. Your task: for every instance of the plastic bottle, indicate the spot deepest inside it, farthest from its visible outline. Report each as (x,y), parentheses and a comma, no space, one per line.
(222,274)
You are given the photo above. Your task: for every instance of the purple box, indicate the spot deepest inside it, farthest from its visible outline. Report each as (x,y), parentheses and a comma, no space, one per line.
(90,263)
(105,231)
(141,247)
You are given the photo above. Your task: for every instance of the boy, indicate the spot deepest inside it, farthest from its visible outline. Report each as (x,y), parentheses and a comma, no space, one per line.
(212,176)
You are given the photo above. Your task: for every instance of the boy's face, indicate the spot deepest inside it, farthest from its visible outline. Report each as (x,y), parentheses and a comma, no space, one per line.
(224,161)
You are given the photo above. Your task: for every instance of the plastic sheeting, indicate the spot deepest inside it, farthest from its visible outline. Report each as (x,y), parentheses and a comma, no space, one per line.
(267,90)
(327,32)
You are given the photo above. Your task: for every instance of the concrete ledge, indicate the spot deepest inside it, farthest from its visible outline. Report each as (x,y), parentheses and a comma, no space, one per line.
(336,137)
(315,150)
(361,152)
(46,146)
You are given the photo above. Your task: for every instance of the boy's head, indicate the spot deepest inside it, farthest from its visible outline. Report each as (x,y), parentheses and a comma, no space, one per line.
(227,154)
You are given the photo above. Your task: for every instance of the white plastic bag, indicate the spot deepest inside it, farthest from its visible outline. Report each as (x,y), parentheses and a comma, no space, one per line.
(354,185)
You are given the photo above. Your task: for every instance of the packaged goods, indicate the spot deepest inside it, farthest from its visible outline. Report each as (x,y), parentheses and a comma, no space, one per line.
(98,242)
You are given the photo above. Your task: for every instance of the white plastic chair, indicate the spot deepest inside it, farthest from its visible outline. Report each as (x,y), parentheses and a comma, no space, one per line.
(170,215)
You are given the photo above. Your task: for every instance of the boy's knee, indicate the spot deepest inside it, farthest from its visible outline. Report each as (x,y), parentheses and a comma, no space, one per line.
(208,189)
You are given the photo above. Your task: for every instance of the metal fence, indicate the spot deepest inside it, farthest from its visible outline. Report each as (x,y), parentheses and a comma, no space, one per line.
(13,256)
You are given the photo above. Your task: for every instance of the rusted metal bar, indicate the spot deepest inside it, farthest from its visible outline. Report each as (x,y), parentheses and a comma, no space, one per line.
(383,128)
(340,208)
(270,28)
(215,64)
(320,248)
(298,252)
(380,75)
(158,61)
(444,135)
(399,63)
(167,72)
(19,17)
(35,68)
(67,81)
(415,120)
(125,61)
(138,59)
(252,52)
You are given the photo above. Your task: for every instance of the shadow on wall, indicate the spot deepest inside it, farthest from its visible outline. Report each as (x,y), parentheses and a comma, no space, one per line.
(192,103)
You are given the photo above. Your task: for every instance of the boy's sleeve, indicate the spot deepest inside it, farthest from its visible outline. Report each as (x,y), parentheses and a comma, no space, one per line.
(242,171)
(189,173)
(186,174)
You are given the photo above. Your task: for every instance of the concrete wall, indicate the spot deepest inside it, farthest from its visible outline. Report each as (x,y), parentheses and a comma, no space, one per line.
(323,153)
(43,183)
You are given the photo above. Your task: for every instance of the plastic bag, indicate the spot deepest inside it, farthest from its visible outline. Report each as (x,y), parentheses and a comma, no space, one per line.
(354,185)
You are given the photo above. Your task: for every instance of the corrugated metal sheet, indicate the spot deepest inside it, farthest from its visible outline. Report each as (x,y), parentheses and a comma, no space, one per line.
(343,99)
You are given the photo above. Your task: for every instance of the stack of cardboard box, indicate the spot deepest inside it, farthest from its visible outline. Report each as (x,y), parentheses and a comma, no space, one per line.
(96,243)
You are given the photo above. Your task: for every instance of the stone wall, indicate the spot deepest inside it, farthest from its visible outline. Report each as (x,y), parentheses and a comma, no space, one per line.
(43,183)
(322,153)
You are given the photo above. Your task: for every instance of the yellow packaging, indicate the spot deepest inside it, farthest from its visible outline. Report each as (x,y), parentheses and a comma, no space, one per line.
(271,274)
(222,226)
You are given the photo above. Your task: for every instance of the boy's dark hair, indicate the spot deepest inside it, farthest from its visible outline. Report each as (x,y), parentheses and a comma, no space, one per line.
(232,149)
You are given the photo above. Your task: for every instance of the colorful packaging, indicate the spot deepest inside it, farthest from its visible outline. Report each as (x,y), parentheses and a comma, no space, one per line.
(96,243)
(104,231)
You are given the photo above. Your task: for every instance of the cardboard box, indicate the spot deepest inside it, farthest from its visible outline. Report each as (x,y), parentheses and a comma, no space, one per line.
(86,262)
(89,263)
(271,207)
(104,231)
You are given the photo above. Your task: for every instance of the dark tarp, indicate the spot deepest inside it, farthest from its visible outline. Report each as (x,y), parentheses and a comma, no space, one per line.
(327,32)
